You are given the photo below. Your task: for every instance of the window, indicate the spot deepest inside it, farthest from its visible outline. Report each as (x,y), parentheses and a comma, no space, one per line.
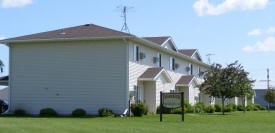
(172,63)
(136,93)
(136,53)
(199,71)
(191,69)
(159,60)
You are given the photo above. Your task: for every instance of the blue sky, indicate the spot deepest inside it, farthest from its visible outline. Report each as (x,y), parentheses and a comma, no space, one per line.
(231,29)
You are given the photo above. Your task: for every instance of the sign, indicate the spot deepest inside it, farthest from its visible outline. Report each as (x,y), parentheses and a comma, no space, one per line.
(172,100)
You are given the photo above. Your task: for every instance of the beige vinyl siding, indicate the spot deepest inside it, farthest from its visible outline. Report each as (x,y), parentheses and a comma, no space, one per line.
(136,68)
(69,75)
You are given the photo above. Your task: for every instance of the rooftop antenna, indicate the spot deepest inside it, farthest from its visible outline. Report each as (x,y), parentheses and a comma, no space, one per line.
(209,56)
(125,10)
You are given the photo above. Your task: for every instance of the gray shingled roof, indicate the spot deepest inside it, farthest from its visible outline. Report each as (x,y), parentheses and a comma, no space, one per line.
(188,52)
(151,72)
(157,40)
(185,80)
(83,31)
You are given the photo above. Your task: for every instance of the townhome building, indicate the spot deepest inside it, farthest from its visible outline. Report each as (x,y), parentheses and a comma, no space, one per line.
(93,67)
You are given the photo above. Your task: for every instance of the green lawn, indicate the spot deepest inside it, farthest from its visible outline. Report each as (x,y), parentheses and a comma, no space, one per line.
(237,122)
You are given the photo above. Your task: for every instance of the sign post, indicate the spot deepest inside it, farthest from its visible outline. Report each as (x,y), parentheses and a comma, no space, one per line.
(171,100)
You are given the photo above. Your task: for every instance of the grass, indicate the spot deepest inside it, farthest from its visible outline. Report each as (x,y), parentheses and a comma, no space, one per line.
(236,122)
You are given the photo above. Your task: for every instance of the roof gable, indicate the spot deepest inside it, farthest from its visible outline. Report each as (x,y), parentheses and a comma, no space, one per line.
(151,74)
(83,31)
(157,40)
(185,80)
(193,53)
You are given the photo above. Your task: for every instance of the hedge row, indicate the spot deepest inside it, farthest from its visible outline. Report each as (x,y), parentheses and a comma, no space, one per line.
(49,112)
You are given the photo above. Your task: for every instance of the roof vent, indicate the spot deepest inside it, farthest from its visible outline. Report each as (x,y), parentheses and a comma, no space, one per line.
(62,32)
(87,25)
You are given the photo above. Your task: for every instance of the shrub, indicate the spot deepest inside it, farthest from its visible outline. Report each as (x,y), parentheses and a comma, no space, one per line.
(250,107)
(209,109)
(199,107)
(190,109)
(79,113)
(262,108)
(48,112)
(164,110)
(178,110)
(139,109)
(228,109)
(218,107)
(233,106)
(257,107)
(20,112)
(240,107)
(103,112)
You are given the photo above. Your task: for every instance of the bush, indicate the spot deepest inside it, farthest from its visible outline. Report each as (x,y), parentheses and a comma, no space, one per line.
(139,109)
(250,107)
(262,108)
(218,107)
(233,106)
(209,109)
(257,107)
(103,112)
(164,110)
(240,107)
(199,107)
(48,112)
(79,113)
(190,109)
(20,112)
(178,110)
(228,109)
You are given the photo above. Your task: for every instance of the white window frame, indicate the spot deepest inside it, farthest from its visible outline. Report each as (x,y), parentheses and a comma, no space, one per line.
(172,63)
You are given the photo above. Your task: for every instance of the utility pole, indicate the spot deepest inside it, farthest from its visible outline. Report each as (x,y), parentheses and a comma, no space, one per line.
(268,85)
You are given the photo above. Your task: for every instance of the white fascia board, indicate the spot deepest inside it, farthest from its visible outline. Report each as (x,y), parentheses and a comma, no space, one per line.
(166,73)
(146,79)
(66,39)
(170,39)
(182,85)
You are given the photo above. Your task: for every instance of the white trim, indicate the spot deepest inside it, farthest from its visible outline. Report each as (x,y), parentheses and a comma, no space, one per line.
(127,74)
(10,78)
(196,52)
(173,44)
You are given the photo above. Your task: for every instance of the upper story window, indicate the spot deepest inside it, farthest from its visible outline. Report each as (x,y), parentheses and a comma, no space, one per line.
(172,63)
(159,60)
(191,69)
(136,53)
(199,71)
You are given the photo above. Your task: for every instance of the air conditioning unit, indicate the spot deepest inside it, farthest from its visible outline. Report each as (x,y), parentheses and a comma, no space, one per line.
(187,69)
(142,55)
(177,65)
(155,59)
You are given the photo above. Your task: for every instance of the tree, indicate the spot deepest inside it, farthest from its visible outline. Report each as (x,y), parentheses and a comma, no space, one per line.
(226,83)
(269,96)
(1,66)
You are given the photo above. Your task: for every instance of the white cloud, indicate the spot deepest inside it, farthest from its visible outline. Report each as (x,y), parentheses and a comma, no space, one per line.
(267,45)
(203,7)
(1,37)
(15,3)
(255,32)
